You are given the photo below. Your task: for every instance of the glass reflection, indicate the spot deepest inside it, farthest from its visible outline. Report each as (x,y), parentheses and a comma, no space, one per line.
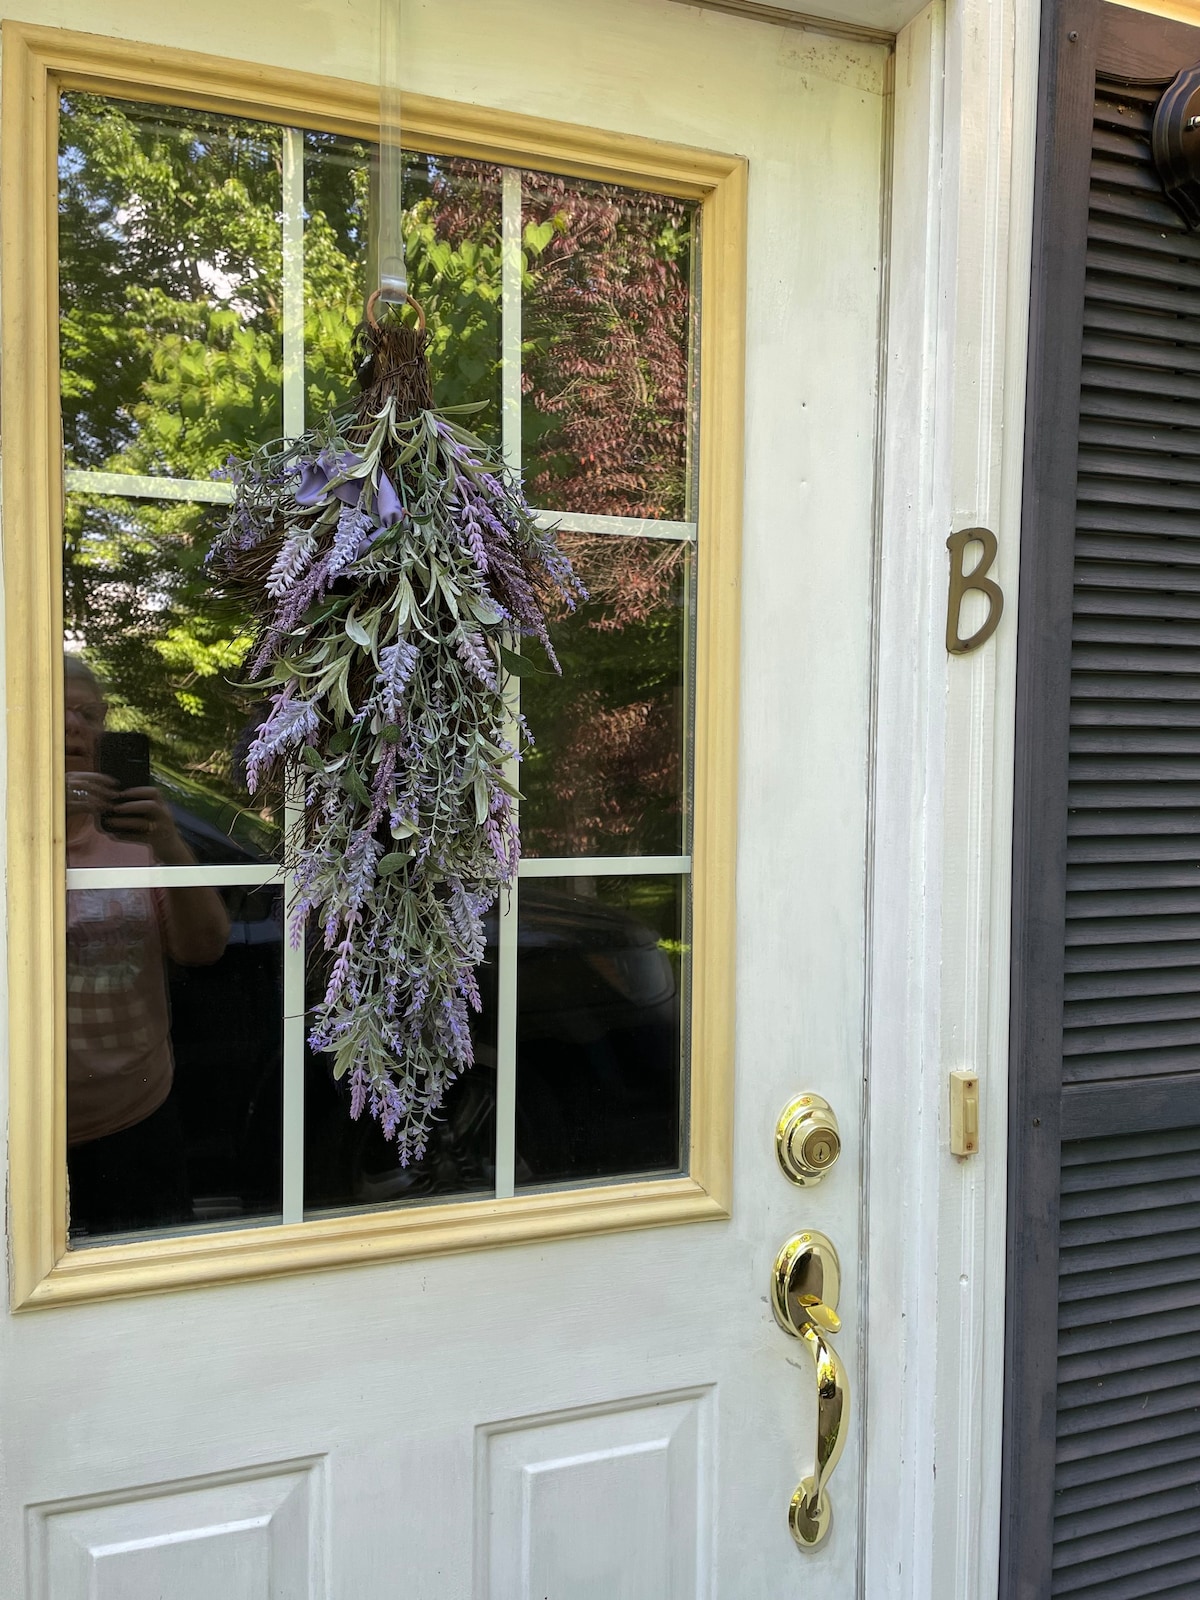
(350,1163)
(599,1044)
(173,1005)
(452,235)
(140,608)
(170,263)
(607,771)
(606,330)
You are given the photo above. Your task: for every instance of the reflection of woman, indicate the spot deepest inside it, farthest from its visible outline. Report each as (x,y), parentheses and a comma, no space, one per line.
(126,1155)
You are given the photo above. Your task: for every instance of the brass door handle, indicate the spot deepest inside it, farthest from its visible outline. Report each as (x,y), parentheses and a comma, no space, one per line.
(805,1286)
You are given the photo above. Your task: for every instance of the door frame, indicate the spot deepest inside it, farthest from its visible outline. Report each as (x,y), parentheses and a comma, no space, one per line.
(938,987)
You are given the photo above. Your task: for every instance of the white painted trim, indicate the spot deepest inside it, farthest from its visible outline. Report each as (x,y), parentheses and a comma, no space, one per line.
(960,251)
(511,275)
(792,17)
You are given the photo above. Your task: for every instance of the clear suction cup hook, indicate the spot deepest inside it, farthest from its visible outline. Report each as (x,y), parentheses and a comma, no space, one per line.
(393,272)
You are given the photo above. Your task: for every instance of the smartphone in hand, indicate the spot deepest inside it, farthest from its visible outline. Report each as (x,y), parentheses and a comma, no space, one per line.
(125,758)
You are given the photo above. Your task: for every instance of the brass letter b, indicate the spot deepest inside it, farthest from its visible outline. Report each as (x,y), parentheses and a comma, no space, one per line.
(978,579)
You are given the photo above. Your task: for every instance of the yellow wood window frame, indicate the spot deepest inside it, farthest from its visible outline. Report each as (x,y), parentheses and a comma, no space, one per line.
(38,63)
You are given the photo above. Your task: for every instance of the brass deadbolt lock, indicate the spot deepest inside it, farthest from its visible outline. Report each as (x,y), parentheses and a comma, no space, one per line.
(807,1141)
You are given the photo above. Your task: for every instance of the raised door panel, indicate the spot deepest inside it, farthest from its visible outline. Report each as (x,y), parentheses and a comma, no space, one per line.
(612,1504)
(257,1537)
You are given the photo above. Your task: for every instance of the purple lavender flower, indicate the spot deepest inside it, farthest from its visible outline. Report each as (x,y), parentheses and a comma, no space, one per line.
(291,723)
(474,654)
(354,528)
(341,985)
(397,663)
(311,587)
(362,854)
(381,788)
(359,1084)
(388,1106)
(295,553)
(456,1030)
(472,529)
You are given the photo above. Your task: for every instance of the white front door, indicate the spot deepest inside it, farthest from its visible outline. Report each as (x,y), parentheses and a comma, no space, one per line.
(614,1413)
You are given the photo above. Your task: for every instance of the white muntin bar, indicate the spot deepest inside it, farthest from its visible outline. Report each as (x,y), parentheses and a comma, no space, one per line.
(212,876)
(294,1014)
(506,953)
(511,273)
(295,1025)
(618,527)
(137,486)
(506,1024)
(293,283)
(215,491)
(605,866)
(219,876)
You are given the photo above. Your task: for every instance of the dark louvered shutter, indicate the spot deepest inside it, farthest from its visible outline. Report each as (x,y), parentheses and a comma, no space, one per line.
(1132,991)
(1127,1473)
(1102,1431)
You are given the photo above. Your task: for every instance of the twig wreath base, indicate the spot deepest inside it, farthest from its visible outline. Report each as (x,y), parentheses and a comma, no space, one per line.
(389,559)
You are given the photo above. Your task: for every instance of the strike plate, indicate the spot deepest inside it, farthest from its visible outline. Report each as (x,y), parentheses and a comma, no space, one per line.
(964,1114)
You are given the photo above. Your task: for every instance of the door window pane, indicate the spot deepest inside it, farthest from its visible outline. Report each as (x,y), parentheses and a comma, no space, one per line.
(168,654)
(606,335)
(174,1036)
(170,260)
(607,774)
(602,968)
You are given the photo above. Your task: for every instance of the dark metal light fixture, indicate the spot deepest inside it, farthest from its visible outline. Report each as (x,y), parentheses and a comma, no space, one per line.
(1175,143)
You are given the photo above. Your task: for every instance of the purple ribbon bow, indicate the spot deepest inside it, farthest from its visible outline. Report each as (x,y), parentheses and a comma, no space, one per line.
(318,480)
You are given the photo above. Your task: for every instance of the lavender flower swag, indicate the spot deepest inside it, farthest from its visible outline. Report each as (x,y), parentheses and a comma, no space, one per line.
(386,558)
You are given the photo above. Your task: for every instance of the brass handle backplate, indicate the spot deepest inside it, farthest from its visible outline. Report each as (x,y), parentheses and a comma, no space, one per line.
(807,1141)
(805,1286)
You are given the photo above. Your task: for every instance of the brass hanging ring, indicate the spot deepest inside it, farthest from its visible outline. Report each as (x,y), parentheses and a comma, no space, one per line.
(408,301)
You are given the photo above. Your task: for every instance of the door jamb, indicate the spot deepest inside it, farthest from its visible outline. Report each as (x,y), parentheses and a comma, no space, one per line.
(959,260)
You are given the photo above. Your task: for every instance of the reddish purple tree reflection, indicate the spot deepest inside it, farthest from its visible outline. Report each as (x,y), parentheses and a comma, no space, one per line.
(605,775)
(605,325)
